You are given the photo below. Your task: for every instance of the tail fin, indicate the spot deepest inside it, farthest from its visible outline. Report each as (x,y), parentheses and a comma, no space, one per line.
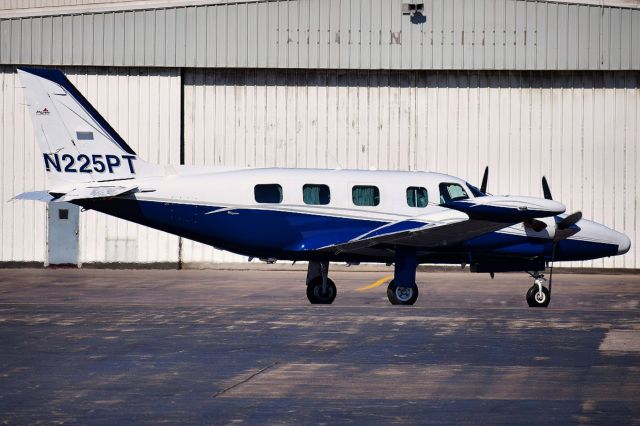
(77,144)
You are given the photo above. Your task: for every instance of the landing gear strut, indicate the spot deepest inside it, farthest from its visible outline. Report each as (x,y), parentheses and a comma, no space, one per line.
(320,288)
(538,296)
(402,289)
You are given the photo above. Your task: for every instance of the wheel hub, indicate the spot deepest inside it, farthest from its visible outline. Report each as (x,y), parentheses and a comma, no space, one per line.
(540,297)
(404,293)
(317,291)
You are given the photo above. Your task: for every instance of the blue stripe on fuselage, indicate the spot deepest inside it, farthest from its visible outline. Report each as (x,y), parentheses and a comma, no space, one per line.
(254,232)
(291,235)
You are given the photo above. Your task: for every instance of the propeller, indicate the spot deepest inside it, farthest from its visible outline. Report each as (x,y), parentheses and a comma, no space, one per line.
(485,179)
(545,189)
(562,228)
(570,220)
(565,223)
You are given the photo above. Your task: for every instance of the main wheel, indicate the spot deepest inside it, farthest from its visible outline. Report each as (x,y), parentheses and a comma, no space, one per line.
(314,292)
(402,295)
(537,299)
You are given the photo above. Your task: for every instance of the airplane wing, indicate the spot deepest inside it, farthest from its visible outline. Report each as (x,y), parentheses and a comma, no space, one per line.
(454,224)
(82,193)
(436,233)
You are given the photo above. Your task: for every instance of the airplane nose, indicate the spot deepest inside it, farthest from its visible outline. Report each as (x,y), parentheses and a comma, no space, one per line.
(624,243)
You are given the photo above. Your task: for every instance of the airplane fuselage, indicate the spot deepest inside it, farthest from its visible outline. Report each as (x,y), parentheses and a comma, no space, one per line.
(219,208)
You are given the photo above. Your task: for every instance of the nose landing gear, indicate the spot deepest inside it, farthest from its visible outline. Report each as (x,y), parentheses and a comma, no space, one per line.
(538,295)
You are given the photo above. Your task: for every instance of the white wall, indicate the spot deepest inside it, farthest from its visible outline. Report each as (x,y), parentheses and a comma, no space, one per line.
(581,130)
(23,232)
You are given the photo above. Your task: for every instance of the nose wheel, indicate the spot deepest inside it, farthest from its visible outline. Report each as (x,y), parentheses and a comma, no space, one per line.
(538,295)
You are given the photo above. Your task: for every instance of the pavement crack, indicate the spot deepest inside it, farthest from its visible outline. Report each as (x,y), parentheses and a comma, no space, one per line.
(241,382)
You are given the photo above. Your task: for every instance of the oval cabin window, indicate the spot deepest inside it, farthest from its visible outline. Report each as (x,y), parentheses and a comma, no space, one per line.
(268,193)
(316,194)
(364,195)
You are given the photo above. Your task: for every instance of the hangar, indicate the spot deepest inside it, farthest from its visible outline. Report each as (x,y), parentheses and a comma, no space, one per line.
(530,88)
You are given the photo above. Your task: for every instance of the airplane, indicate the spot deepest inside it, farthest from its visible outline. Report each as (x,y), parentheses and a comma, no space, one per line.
(404,218)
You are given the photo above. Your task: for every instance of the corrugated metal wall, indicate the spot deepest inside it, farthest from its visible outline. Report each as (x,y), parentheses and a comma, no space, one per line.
(345,34)
(581,130)
(143,106)
(23,232)
(26,4)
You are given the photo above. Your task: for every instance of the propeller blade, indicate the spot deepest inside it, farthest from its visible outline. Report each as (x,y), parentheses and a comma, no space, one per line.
(485,179)
(545,189)
(570,220)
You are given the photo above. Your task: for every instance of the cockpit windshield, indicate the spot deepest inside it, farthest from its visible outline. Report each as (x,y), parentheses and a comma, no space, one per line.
(452,192)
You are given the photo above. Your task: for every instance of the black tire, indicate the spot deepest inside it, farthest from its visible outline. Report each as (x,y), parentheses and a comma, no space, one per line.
(402,295)
(535,300)
(314,292)
(530,293)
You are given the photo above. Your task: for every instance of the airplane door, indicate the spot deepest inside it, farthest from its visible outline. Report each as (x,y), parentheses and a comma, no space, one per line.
(62,235)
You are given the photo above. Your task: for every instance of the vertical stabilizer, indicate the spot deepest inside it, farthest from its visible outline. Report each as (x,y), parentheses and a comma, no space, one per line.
(77,143)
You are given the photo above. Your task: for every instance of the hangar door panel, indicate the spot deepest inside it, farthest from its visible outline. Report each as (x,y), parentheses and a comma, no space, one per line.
(143,106)
(579,129)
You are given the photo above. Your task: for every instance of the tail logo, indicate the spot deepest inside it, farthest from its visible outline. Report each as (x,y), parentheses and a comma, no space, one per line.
(43,111)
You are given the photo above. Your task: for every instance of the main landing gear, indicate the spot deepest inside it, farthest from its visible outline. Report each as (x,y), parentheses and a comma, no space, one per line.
(402,289)
(538,296)
(320,288)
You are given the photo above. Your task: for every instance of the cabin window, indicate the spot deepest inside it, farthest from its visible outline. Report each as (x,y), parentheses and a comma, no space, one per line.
(365,195)
(451,192)
(268,193)
(417,196)
(315,195)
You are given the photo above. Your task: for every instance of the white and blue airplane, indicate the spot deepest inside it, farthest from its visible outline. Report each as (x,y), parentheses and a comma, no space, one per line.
(319,216)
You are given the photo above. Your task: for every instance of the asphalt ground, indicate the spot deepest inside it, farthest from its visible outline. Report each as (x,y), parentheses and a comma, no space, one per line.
(220,347)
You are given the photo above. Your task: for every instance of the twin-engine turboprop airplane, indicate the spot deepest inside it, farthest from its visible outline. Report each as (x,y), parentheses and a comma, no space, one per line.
(320,216)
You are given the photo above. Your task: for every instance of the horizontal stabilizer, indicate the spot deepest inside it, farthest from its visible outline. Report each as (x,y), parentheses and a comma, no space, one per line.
(34,196)
(96,192)
(84,193)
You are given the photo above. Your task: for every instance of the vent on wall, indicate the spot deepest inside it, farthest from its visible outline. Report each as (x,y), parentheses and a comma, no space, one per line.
(415,9)
(121,250)
(411,7)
